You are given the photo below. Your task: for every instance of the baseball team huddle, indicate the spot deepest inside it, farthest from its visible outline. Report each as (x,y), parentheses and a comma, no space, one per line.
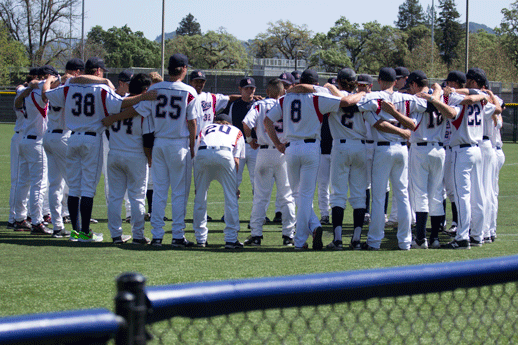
(426,143)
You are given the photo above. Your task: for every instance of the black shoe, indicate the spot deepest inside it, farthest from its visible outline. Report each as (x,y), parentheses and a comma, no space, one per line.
(121,239)
(202,244)
(167,219)
(493,238)
(452,231)
(475,243)
(128,219)
(335,245)
(365,246)
(317,239)
(233,245)
(144,241)
(60,233)
(223,218)
(10,226)
(253,241)
(277,218)
(287,241)
(23,225)
(157,242)
(47,219)
(464,244)
(266,220)
(40,229)
(181,243)
(355,245)
(209,218)
(66,220)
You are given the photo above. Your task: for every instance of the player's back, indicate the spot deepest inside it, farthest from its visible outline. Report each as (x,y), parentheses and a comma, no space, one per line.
(223,135)
(301,116)
(347,123)
(261,108)
(36,114)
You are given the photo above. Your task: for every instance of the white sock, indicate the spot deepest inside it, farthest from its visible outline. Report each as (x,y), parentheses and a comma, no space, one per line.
(338,233)
(357,233)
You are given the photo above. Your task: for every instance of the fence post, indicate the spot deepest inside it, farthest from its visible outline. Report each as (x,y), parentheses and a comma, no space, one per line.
(131,304)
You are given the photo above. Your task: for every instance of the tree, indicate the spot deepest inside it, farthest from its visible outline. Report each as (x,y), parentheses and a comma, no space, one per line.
(328,55)
(508,32)
(410,15)
(189,26)
(39,25)
(450,31)
(261,48)
(12,55)
(290,40)
(124,48)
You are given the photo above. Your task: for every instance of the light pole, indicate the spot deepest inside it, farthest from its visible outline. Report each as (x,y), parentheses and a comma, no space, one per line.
(297,56)
(467,35)
(83,32)
(163,37)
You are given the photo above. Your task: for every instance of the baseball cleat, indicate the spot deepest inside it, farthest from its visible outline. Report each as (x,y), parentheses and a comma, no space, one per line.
(181,243)
(304,247)
(253,241)
(156,242)
(22,226)
(355,245)
(324,220)
(419,244)
(435,244)
(147,217)
(474,243)
(90,237)
(287,241)
(128,219)
(317,239)
(144,241)
(47,219)
(74,236)
(367,218)
(10,226)
(66,220)
(278,217)
(121,239)
(452,231)
(391,224)
(40,229)
(94,221)
(233,245)
(60,233)
(366,246)
(487,240)
(463,244)
(335,245)
(202,244)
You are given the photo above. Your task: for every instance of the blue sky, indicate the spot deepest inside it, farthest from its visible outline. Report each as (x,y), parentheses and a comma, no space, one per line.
(245,19)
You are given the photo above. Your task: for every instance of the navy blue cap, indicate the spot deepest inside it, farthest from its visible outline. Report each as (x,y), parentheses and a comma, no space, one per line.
(364,79)
(309,76)
(34,71)
(75,64)
(125,76)
(477,74)
(296,75)
(402,72)
(287,78)
(47,69)
(331,80)
(247,82)
(416,75)
(387,74)
(223,117)
(95,63)
(197,74)
(346,74)
(178,60)
(456,76)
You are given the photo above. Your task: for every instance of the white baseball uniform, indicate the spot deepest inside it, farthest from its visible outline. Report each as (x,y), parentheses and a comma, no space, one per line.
(32,152)
(302,118)
(176,104)
(390,162)
(211,104)
(218,145)
(127,173)
(500,160)
(270,166)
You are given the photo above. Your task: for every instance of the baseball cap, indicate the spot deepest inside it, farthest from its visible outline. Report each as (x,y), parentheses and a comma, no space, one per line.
(34,71)
(416,75)
(47,69)
(223,117)
(331,80)
(287,78)
(402,72)
(364,79)
(296,75)
(456,76)
(387,74)
(75,64)
(247,82)
(197,74)
(95,63)
(125,76)
(346,74)
(477,74)
(309,76)
(178,60)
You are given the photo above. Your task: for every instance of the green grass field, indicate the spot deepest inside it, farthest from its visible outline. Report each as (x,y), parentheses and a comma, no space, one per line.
(42,274)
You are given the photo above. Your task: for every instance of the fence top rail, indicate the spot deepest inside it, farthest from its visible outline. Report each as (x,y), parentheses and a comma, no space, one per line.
(206,299)
(62,327)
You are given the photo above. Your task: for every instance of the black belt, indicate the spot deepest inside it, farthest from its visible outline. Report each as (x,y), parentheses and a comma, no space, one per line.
(485,137)
(33,137)
(425,144)
(467,145)
(387,143)
(369,141)
(343,141)
(226,148)
(17,132)
(306,141)
(266,147)
(57,131)
(498,148)
(93,134)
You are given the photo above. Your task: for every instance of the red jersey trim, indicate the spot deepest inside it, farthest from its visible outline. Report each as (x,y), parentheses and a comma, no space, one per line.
(190,97)
(103,99)
(213,103)
(456,123)
(43,111)
(379,106)
(317,110)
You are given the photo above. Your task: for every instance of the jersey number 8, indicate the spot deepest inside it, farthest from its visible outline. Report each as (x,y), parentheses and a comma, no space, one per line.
(295,111)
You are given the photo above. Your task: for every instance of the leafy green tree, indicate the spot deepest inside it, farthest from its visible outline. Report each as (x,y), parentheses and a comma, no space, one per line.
(12,55)
(328,55)
(508,31)
(410,15)
(125,48)
(290,40)
(449,32)
(421,58)
(188,26)
(261,48)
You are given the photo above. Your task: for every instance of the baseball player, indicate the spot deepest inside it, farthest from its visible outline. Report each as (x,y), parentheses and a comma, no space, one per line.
(500,160)
(466,166)
(324,170)
(174,114)
(128,168)
(221,146)
(390,155)
(302,116)
(348,161)
(32,151)
(270,167)
(85,106)
(20,183)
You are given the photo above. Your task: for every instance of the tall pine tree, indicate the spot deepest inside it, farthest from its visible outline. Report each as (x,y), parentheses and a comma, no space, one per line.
(188,26)
(410,15)
(450,31)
